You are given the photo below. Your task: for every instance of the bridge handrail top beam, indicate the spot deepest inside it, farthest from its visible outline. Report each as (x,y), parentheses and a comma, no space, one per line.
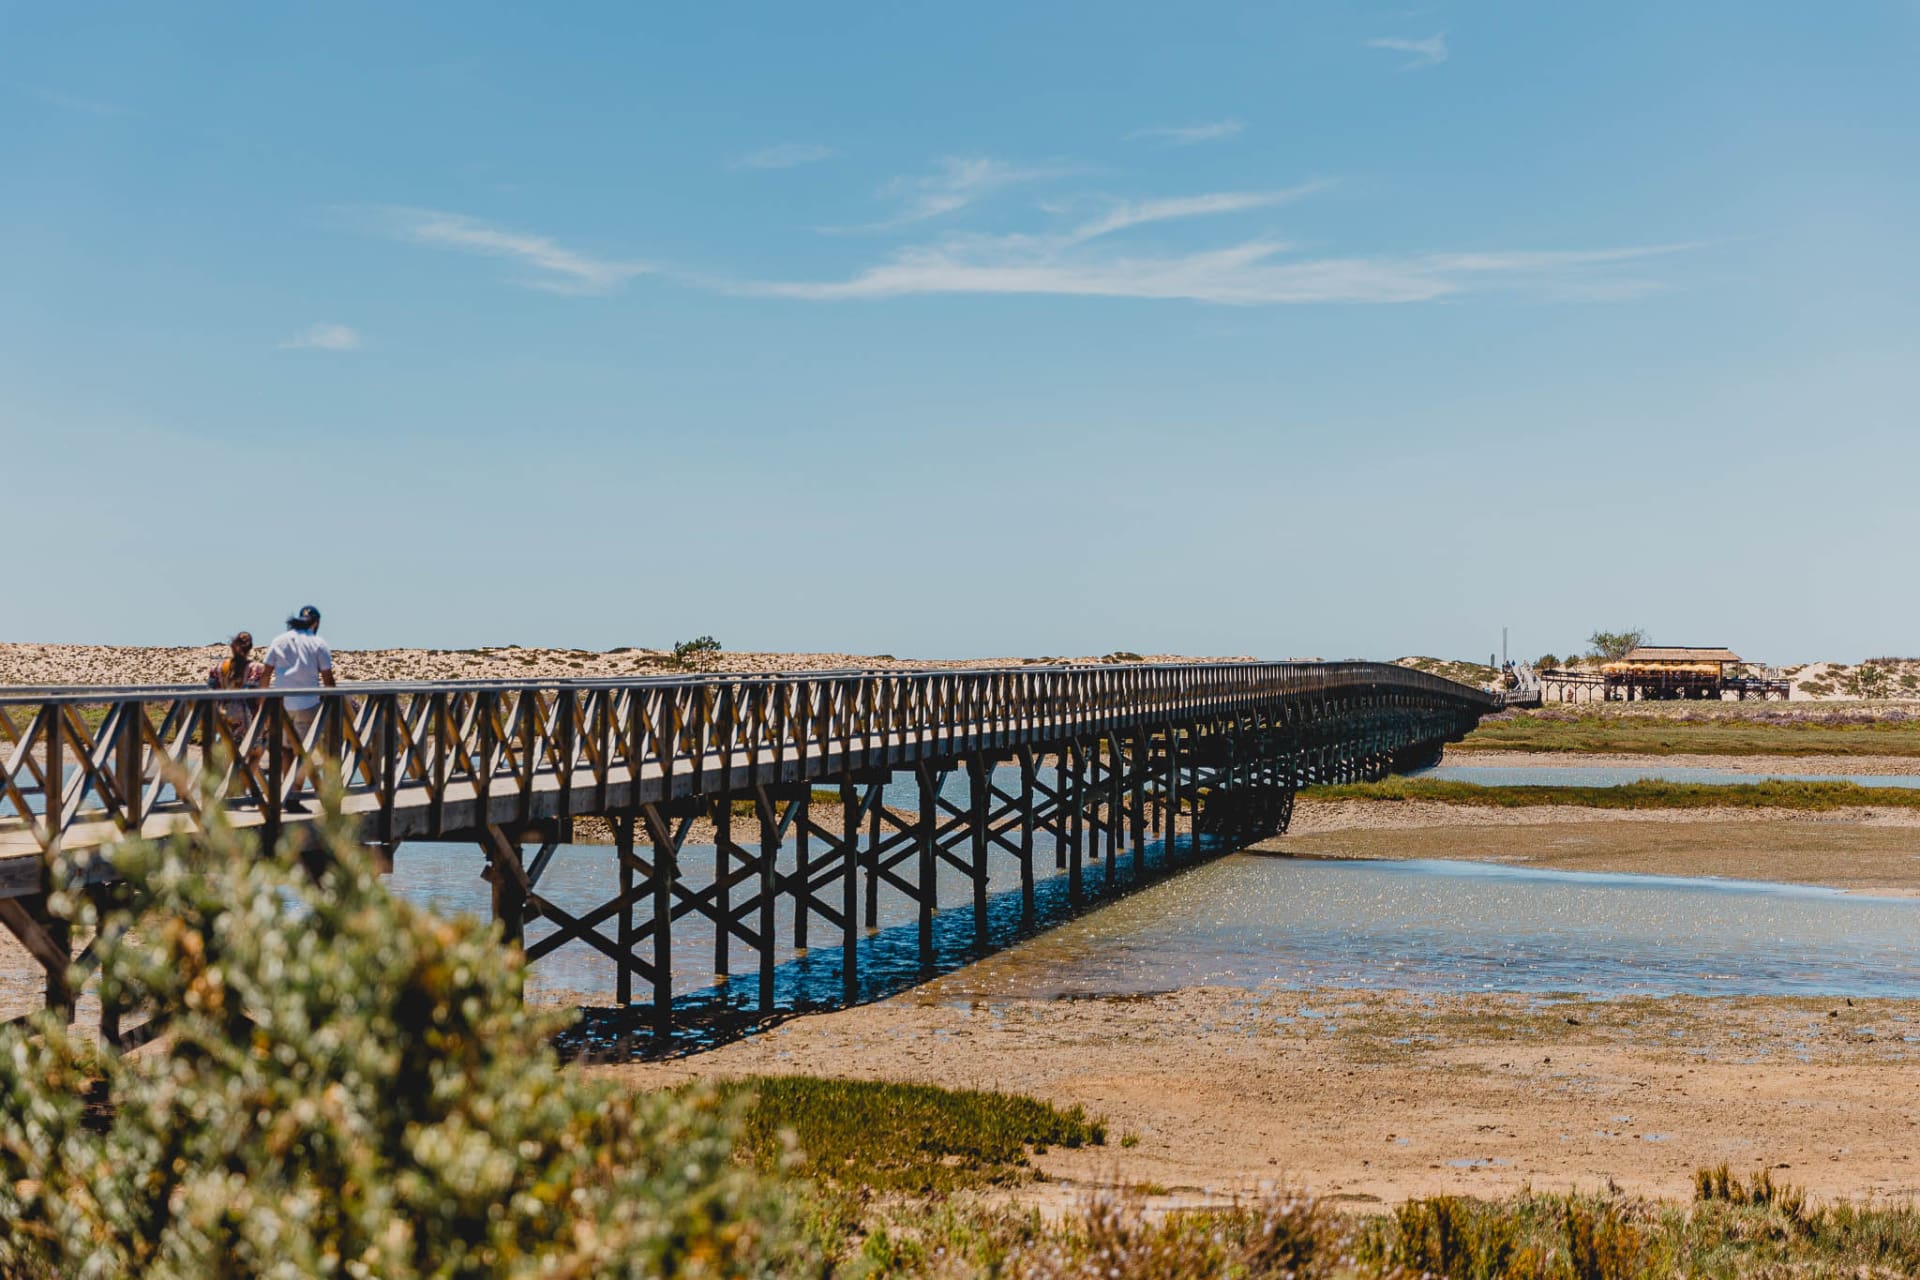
(34,695)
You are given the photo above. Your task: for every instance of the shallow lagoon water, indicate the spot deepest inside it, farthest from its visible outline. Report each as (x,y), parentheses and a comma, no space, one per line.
(1256,921)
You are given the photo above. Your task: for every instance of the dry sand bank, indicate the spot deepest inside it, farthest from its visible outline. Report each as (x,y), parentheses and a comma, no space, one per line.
(83,664)
(1862,851)
(1379,1096)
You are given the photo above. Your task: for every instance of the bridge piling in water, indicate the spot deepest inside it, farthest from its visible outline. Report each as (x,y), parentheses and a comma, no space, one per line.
(1093,760)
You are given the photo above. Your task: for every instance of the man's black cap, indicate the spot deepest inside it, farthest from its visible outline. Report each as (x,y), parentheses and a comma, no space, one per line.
(307,617)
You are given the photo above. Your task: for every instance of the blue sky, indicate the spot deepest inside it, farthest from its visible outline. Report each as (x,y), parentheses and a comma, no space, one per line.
(1283,329)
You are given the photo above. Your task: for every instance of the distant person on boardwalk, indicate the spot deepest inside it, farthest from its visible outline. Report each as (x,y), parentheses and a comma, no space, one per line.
(238,671)
(299,659)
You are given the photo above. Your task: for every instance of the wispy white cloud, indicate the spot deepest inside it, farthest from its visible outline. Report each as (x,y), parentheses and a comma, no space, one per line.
(324,337)
(551,266)
(1430,52)
(1253,273)
(1133,214)
(1187,135)
(788,155)
(955,183)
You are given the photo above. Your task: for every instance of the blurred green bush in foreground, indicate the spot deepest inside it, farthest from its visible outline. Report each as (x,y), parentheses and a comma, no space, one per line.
(349,1085)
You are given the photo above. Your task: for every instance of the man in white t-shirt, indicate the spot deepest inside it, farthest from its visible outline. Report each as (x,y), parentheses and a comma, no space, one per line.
(299,659)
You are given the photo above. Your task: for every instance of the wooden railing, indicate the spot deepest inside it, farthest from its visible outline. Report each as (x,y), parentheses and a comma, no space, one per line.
(80,766)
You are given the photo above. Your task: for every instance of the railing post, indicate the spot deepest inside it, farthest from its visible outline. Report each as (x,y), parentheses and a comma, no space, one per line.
(128,766)
(486,705)
(566,746)
(388,720)
(274,720)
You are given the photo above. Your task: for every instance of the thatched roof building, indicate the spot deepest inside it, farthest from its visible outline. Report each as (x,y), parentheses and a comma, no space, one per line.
(1660,655)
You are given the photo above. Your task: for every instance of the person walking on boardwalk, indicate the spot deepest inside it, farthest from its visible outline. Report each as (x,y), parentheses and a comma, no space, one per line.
(299,659)
(238,671)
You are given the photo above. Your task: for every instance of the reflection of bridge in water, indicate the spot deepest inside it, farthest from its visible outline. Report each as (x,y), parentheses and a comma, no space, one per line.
(1091,760)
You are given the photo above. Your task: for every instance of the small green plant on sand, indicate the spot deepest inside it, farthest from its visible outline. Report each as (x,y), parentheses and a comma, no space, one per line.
(696,654)
(348,1085)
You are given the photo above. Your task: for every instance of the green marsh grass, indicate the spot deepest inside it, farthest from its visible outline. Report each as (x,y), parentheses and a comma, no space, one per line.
(1710,729)
(905,1138)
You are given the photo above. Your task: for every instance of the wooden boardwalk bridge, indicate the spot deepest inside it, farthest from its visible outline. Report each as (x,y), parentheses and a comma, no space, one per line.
(1093,761)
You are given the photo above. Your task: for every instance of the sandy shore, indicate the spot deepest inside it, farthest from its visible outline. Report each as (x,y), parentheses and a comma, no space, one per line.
(1379,1096)
(1873,851)
(84,664)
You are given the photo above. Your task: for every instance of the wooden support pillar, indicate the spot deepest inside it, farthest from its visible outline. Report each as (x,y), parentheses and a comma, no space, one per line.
(876,797)
(722,884)
(1156,798)
(47,941)
(623,972)
(666,863)
(1061,799)
(1076,821)
(510,887)
(1138,777)
(1026,837)
(60,992)
(849,892)
(802,872)
(1174,791)
(929,868)
(1087,793)
(110,1009)
(979,772)
(769,894)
